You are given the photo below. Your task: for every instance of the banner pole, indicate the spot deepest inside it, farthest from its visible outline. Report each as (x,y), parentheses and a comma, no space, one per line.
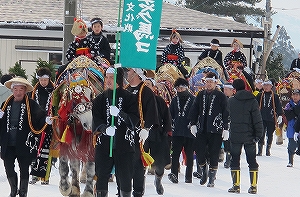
(115,75)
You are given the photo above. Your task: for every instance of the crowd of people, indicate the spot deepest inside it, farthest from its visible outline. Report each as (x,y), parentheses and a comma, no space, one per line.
(227,116)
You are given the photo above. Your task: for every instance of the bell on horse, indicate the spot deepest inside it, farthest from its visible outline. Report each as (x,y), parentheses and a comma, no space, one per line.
(75,88)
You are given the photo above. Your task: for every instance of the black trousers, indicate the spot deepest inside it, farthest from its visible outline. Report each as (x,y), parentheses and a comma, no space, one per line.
(269,128)
(9,163)
(123,162)
(160,152)
(250,150)
(179,142)
(139,171)
(208,145)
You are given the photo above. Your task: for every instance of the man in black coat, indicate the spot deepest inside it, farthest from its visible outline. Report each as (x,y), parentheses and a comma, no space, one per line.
(271,112)
(209,120)
(296,63)
(149,121)
(21,122)
(246,128)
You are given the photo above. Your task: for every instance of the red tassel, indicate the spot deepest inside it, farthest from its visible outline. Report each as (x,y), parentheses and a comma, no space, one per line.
(41,142)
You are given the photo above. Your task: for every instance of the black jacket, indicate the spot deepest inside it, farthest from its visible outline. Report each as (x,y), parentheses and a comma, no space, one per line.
(209,112)
(246,122)
(27,144)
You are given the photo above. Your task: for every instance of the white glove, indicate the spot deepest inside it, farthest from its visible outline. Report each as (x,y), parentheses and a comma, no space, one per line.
(110,131)
(194,130)
(48,120)
(144,133)
(113,110)
(296,136)
(1,113)
(225,135)
(279,119)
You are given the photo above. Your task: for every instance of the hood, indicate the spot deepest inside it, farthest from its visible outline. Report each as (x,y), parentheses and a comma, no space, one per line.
(244,95)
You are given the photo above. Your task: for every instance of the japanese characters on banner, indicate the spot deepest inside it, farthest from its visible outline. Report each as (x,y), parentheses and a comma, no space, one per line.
(141,23)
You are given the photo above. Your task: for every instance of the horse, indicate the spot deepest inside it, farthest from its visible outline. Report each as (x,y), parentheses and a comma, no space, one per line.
(165,77)
(77,85)
(284,90)
(205,65)
(236,70)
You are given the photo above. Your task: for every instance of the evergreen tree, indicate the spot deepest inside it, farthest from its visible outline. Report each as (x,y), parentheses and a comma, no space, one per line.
(18,70)
(237,9)
(275,68)
(283,46)
(41,63)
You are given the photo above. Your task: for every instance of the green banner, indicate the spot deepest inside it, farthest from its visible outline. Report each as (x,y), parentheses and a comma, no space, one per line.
(141,24)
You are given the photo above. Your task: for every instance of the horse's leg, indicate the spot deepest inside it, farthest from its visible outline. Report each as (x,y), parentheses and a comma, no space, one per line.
(64,184)
(75,169)
(83,173)
(90,172)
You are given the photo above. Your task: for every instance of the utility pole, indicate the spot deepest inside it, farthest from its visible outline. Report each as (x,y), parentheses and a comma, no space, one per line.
(70,11)
(267,24)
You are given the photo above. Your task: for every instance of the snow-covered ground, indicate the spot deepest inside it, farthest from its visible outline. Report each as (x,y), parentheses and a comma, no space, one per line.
(275,179)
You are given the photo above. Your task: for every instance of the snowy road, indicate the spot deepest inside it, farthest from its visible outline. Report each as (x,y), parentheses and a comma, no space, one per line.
(275,179)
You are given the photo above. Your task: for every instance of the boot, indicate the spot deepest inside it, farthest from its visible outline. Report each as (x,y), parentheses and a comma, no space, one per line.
(23,188)
(291,160)
(253,181)
(125,194)
(204,169)
(259,153)
(33,180)
(13,182)
(268,150)
(236,177)
(101,193)
(137,194)
(173,178)
(212,177)
(158,185)
(227,161)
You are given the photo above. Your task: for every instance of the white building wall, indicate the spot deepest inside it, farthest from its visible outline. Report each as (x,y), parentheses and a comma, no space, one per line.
(9,55)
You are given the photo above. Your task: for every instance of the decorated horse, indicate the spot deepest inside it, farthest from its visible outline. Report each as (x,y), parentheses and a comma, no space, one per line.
(205,65)
(165,77)
(236,70)
(284,90)
(77,85)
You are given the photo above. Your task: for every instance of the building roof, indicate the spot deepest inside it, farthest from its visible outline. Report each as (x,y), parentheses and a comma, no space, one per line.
(51,12)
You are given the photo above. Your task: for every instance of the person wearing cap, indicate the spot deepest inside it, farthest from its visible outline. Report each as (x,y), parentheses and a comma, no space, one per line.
(157,141)
(125,114)
(213,52)
(174,53)
(4,91)
(258,86)
(209,124)
(98,43)
(42,93)
(229,91)
(181,135)
(236,55)
(149,120)
(296,63)
(271,112)
(246,128)
(292,112)
(21,122)
(79,46)
(237,58)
